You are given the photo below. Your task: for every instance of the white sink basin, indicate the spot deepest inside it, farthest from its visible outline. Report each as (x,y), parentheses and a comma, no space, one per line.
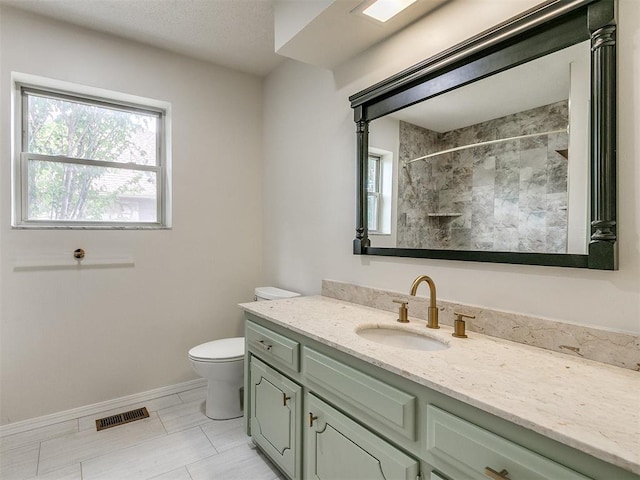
(397,337)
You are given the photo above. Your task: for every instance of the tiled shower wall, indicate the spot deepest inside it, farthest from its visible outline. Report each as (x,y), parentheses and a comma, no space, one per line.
(509,196)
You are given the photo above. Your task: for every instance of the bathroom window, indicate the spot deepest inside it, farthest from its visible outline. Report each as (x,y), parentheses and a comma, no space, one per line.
(374,187)
(89,162)
(379,192)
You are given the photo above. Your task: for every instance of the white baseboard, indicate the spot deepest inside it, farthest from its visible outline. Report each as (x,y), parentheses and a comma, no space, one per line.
(46,420)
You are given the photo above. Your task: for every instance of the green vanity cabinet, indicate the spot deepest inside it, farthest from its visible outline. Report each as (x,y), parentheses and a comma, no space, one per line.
(276,409)
(338,448)
(322,414)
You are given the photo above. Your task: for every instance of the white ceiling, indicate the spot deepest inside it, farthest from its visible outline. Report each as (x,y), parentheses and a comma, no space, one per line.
(234,33)
(238,34)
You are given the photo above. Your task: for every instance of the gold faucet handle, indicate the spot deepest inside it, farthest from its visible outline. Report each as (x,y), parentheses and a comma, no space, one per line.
(403,311)
(459,324)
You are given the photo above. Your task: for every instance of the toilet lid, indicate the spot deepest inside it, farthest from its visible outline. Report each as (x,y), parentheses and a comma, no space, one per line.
(219,350)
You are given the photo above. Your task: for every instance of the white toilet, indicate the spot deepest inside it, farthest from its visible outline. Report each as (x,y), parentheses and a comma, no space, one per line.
(221,362)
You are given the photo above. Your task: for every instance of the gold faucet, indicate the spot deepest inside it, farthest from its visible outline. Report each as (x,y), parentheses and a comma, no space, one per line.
(432,317)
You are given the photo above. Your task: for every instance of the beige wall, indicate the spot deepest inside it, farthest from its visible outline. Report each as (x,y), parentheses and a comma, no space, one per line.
(309,224)
(73,338)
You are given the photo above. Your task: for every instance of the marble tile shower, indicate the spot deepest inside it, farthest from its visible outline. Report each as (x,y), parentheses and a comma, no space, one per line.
(508,196)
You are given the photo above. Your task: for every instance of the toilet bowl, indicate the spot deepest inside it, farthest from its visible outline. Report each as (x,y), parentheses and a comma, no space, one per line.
(221,362)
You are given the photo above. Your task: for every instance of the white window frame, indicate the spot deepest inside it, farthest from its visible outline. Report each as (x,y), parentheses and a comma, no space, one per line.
(376,194)
(27,84)
(384,193)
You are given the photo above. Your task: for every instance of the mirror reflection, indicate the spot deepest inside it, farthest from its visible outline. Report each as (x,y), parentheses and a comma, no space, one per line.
(497,165)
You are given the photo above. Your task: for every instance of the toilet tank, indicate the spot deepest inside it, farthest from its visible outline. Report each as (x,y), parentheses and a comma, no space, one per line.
(272,293)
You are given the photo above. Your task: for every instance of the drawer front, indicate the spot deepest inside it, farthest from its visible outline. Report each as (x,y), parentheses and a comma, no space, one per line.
(272,346)
(457,443)
(379,402)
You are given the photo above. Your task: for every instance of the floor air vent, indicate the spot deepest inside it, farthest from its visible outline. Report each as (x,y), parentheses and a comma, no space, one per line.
(121,418)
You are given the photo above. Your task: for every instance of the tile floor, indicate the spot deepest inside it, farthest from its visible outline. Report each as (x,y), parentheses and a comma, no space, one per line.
(176,442)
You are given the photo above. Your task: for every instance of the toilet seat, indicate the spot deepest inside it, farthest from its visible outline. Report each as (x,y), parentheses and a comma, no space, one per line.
(218,351)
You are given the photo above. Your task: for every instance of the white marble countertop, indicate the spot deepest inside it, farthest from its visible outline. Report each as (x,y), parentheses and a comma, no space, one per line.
(587,405)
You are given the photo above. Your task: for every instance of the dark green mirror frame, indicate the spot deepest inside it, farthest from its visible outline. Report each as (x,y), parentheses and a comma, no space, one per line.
(551,26)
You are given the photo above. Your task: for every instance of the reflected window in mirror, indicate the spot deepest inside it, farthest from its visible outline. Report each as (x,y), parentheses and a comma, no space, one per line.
(374,192)
(380,202)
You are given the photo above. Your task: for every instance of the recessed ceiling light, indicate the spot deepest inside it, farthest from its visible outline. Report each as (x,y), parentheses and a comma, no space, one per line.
(383,10)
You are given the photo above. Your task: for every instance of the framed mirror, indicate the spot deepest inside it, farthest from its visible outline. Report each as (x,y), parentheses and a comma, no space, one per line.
(500,149)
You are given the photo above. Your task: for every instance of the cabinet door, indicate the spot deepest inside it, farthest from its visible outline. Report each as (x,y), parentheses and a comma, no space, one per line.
(338,448)
(275,416)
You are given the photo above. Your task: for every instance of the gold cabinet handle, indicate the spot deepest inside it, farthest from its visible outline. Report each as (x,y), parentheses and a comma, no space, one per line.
(312,417)
(284,399)
(501,475)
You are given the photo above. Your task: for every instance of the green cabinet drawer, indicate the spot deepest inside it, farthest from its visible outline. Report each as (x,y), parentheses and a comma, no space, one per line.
(458,447)
(337,448)
(272,347)
(375,401)
(276,409)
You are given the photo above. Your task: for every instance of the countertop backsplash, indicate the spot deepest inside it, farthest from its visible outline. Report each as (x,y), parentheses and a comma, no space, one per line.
(613,348)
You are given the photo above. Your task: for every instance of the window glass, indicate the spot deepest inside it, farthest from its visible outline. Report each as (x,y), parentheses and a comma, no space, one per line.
(67,191)
(373,196)
(373,177)
(372,213)
(59,126)
(89,161)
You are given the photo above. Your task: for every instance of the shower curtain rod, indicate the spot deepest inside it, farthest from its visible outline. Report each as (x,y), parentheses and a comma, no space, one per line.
(488,142)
